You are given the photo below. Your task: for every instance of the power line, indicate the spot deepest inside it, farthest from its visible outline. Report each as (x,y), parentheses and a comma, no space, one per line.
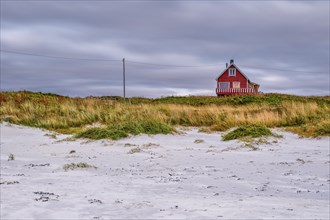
(161,0)
(284,70)
(56,57)
(151,64)
(97,59)
(167,65)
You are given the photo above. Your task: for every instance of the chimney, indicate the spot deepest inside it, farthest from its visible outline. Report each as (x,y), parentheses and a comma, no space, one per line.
(226,65)
(231,61)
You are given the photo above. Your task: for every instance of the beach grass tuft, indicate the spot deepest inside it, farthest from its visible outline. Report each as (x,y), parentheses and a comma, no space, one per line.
(134,150)
(125,129)
(73,166)
(11,157)
(252,131)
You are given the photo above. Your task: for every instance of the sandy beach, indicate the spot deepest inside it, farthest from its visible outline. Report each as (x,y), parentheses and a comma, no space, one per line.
(187,175)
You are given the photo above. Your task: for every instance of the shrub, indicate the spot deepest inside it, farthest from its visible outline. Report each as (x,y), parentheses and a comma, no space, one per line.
(247,131)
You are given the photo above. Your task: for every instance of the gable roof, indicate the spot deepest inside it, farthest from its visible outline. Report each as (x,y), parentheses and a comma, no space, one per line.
(236,68)
(253,83)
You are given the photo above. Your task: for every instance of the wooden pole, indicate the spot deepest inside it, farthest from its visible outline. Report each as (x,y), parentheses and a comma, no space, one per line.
(124,78)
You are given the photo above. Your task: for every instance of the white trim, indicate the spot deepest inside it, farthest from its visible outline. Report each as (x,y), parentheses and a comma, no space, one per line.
(232,70)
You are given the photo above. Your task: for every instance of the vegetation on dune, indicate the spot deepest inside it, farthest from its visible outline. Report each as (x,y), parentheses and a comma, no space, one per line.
(123,130)
(252,131)
(114,118)
(102,133)
(324,128)
(315,128)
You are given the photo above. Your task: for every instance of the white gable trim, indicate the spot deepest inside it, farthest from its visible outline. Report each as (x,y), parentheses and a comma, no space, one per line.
(230,67)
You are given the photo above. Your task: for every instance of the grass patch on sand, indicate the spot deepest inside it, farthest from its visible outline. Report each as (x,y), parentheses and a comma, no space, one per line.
(134,150)
(198,141)
(73,166)
(11,157)
(250,146)
(252,131)
(102,133)
(115,118)
(124,130)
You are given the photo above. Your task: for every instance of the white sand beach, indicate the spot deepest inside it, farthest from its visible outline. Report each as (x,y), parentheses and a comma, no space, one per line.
(190,175)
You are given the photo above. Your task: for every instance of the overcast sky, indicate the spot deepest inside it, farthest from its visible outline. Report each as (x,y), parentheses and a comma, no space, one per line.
(282,45)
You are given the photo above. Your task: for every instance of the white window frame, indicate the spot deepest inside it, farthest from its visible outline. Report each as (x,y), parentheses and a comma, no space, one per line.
(232,72)
(228,85)
(239,84)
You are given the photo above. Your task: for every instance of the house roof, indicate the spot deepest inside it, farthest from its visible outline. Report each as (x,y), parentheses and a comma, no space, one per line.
(230,67)
(254,83)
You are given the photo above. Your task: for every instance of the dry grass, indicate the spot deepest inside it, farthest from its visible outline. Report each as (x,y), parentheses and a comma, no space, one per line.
(307,116)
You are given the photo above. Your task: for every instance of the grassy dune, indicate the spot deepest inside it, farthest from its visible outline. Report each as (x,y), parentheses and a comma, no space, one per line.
(112,117)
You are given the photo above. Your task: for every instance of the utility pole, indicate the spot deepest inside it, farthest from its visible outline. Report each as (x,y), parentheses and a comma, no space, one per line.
(124,78)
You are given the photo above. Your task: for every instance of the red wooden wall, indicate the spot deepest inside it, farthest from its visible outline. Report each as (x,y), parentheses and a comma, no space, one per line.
(238,78)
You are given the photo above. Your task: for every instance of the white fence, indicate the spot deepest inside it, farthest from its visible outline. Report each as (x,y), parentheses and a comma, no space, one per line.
(243,90)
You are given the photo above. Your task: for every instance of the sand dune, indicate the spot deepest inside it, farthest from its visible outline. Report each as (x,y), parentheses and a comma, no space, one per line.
(162,177)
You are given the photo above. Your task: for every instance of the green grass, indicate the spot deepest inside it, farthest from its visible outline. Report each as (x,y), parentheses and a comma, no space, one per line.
(252,131)
(323,129)
(102,133)
(270,99)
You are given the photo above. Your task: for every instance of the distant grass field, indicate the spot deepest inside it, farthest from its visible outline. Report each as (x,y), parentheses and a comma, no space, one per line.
(114,118)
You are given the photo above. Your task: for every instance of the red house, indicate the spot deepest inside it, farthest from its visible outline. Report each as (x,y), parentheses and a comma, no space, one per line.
(232,81)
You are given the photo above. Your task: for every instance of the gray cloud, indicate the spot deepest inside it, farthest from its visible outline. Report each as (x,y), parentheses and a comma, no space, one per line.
(260,36)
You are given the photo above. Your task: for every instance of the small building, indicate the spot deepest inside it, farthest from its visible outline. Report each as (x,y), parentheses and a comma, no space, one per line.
(232,81)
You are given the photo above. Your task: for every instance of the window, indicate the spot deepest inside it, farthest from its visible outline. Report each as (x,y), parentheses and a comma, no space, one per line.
(232,72)
(224,85)
(236,85)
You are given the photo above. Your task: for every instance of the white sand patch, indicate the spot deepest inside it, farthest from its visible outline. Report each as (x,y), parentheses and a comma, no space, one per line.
(171,177)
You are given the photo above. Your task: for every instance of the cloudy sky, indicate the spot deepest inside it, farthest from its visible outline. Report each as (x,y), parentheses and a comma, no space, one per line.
(171,48)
